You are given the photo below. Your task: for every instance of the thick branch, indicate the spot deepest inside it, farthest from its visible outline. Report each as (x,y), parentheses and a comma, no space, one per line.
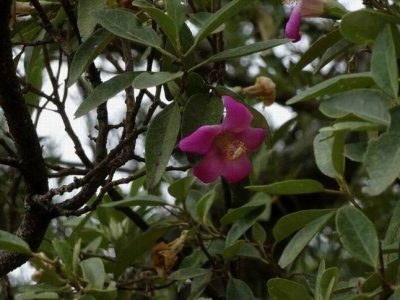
(29,152)
(18,118)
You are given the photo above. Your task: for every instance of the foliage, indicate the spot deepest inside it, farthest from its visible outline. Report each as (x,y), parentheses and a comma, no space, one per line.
(318,217)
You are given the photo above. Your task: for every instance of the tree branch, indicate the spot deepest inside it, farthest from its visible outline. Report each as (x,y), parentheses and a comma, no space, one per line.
(29,152)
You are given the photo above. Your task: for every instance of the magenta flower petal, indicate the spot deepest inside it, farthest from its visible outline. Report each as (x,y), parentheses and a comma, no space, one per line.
(201,140)
(292,29)
(252,137)
(237,117)
(236,170)
(210,167)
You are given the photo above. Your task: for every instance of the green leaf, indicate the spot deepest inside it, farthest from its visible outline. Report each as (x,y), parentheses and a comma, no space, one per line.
(352,125)
(34,65)
(367,104)
(258,233)
(238,289)
(246,50)
(328,151)
(180,188)
(137,246)
(240,249)
(187,273)
(393,230)
(283,289)
(356,151)
(93,272)
(203,207)
(86,23)
(149,79)
(238,213)
(240,226)
(382,162)
(332,52)
(384,63)
(395,295)
(201,109)
(317,49)
(164,21)
(86,53)
(176,10)
(358,235)
(125,24)
(160,142)
(218,18)
(334,85)
(139,200)
(301,239)
(290,187)
(64,252)
(362,26)
(292,222)
(11,242)
(327,284)
(105,91)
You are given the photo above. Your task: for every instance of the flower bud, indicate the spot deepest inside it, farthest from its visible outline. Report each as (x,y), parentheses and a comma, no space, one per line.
(264,88)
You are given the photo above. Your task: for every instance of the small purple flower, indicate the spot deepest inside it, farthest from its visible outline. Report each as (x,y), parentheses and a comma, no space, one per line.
(225,147)
(304,8)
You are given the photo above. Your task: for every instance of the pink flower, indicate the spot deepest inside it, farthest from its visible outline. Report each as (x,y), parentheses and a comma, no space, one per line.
(305,8)
(225,147)
(311,8)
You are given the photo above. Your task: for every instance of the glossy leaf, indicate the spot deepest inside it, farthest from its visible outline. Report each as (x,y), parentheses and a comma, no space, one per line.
(301,239)
(384,63)
(106,91)
(290,187)
(358,235)
(283,289)
(370,105)
(238,289)
(334,85)
(160,142)
(290,223)
(86,53)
